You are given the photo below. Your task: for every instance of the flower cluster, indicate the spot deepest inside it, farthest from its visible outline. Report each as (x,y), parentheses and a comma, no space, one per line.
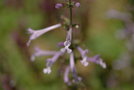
(66,48)
(56,54)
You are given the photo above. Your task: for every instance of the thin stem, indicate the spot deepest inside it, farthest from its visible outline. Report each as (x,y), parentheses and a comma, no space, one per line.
(70,12)
(70,22)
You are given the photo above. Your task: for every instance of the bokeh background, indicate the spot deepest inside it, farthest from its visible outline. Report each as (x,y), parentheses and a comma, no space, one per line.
(99,33)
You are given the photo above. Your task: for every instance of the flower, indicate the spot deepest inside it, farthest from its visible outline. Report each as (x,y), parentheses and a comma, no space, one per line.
(77,4)
(72,62)
(66,76)
(76,78)
(39,52)
(58,5)
(84,56)
(96,59)
(68,46)
(50,62)
(35,34)
(67,43)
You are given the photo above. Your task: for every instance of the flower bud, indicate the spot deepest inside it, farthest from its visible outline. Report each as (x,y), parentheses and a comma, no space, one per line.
(77,4)
(58,5)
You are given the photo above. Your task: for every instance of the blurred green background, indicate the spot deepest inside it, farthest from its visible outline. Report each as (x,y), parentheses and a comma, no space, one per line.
(17,72)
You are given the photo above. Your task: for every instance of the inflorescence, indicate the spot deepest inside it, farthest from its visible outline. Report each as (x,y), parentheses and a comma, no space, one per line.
(67,48)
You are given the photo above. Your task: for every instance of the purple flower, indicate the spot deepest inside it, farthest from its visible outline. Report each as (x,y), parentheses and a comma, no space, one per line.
(77,4)
(67,43)
(39,52)
(50,62)
(66,76)
(35,34)
(96,59)
(66,48)
(58,5)
(76,78)
(84,56)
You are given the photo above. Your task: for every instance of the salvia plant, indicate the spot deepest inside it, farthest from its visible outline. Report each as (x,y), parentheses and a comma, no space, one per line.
(69,47)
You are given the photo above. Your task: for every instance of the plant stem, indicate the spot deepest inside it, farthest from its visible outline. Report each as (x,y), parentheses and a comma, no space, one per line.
(70,12)
(70,18)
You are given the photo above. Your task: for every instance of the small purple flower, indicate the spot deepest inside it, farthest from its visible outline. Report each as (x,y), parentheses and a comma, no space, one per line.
(58,5)
(50,62)
(96,59)
(39,52)
(67,43)
(77,4)
(35,34)
(84,56)
(66,76)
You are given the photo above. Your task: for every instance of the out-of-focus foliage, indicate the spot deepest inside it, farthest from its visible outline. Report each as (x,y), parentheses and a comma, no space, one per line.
(17,72)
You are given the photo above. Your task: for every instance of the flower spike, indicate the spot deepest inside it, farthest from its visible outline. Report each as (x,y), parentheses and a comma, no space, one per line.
(58,5)
(70,75)
(77,4)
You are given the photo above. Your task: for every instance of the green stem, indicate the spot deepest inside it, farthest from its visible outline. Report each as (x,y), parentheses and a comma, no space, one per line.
(71,21)
(70,12)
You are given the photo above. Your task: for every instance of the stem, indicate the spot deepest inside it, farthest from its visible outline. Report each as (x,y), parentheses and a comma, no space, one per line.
(71,19)
(71,26)
(70,12)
